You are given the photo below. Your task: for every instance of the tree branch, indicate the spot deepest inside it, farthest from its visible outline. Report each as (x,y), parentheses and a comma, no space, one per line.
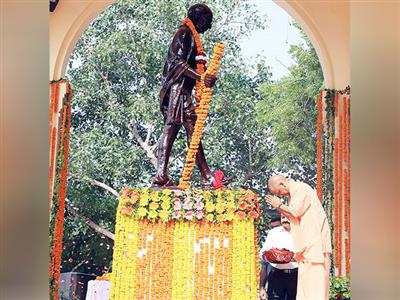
(250,154)
(149,132)
(97,183)
(149,149)
(248,176)
(78,265)
(89,222)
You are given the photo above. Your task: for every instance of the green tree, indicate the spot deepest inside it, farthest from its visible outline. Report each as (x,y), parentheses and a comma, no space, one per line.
(289,109)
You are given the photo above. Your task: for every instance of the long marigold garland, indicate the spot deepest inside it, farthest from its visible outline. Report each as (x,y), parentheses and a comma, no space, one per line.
(319,147)
(201,112)
(335,179)
(347,187)
(336,193)
(342,184)
(60,188)
(340,195)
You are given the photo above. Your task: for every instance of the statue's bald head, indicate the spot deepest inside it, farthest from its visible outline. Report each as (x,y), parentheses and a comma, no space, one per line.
(277,184)
(201,16)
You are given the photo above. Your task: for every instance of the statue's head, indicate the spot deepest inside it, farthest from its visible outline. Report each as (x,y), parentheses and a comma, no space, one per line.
(201,16)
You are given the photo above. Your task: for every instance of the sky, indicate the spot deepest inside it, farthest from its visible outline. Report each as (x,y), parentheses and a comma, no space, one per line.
(274,41)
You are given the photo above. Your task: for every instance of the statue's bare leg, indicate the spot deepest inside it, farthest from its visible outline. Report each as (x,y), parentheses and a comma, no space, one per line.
(164,150)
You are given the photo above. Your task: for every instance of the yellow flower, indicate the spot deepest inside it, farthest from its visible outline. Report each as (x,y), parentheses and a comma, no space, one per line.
(231,205)
(155,196)
(210,207)
(219,194)
(220,200)
(210,217)
(144,200)
(166,204)
(141,212)
(207,195)
(229,215)
(229,194)
(166,192)
(220,218)
(220,207)
(235,218)
(164,214)
(152,214)
(154,205)
(124,200)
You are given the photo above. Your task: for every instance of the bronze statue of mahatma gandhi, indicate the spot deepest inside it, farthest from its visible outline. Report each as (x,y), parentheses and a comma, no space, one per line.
(176,104)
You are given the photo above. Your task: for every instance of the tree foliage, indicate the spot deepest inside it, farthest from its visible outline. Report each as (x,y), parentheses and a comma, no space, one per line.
(289,109)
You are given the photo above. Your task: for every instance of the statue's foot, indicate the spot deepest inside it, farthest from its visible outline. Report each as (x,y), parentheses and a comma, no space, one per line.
(228,180)
(208,183)
(163,181)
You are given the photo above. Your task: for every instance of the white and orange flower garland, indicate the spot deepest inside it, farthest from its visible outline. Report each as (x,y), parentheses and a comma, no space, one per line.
(201,112)
(184,258)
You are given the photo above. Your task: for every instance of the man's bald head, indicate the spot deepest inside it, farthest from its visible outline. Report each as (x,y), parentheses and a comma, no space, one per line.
(277,185)
(275,180)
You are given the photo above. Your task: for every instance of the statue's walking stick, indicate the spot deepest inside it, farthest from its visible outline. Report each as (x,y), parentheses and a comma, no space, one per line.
(201,111)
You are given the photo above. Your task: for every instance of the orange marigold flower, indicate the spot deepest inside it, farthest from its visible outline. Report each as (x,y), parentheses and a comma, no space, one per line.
(126,210)
(253,215)
(135,196)
(242,205)
(126,193)
(241,215)
(250,207)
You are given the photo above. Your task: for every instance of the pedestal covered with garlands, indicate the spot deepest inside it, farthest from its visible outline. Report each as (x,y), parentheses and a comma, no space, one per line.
(191,244)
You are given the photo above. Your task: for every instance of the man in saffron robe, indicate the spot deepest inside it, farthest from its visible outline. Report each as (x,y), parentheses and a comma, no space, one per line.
(176,104)
(310,233)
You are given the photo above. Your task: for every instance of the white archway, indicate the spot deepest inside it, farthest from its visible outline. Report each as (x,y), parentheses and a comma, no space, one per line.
(67,23)
(326,23)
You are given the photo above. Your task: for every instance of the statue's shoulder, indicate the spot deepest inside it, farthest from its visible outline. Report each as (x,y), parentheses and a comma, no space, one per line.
(183,29)
(183,33)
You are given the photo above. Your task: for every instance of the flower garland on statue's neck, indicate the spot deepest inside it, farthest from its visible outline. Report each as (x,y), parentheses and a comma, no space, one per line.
(201,58)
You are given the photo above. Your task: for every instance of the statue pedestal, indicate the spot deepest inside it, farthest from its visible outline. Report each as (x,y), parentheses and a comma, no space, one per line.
(186,257)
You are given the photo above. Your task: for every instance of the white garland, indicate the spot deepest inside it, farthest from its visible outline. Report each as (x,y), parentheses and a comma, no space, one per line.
(201,57)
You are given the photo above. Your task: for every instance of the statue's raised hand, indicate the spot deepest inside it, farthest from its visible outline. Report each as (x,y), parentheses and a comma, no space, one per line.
(209,80)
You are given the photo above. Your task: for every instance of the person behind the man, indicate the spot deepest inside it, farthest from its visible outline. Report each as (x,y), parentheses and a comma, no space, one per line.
(176,104)
(310,232)
(282,279)
(265,266)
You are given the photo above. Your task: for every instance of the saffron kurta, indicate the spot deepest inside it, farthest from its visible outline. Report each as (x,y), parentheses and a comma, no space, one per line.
(311,242)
